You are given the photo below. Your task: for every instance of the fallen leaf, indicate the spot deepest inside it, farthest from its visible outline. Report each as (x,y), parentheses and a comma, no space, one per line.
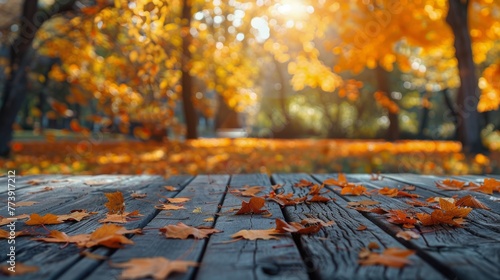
(26,203)
(293,227)
(361,227)
(373,245)
(450,185)
(249,191)
(448,214)
(388,192)
(5,221)
(120,218)
(315,189)
(391,257)
(353,190)
(156,268)
(178,199)
(98,182)
(209,219)
(138,195)
(402,218)
(170,188)
(20,269)
(417,203)
(46,189)
(56,236)
(252,207)
(49,219)
(408,188)
(362,203)
(341,181)
(312,221)
(116,203)
(319,198)
(471,201)
(303,183)
(6,234)
(93,256)
(76,215)
(169,207)
(197,210)
(183,231)
(408,235)
(255,234)
(109,235)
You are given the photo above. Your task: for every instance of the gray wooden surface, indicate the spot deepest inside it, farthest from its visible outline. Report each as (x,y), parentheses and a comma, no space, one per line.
(470,252)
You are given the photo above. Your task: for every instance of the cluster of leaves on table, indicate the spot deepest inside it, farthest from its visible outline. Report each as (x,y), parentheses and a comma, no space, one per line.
(446,211)
(225,156)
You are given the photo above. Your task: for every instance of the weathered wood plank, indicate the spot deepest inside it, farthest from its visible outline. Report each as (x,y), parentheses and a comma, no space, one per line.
(63,190)
(247,259)
(442,246)
(51,259)
(205,192)
(333,252)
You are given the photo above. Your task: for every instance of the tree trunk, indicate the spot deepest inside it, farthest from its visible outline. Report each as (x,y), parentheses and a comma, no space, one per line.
(469,131)
(20,56)
(383,85)
(190,115)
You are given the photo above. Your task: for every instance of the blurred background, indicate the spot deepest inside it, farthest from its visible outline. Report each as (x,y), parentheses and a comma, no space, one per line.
(210,86)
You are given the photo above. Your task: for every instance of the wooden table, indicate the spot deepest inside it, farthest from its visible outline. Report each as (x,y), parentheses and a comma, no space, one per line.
(443,252)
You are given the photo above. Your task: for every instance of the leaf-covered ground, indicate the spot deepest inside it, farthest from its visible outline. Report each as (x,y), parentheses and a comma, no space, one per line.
(226,156)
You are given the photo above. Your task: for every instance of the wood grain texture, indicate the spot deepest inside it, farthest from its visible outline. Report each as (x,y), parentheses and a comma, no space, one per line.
(250,259)
(205,192)
(333,252)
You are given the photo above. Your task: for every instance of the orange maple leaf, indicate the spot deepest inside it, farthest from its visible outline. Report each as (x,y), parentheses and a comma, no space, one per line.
(319,198)
(76,215)
(183,231)
(110,236)
(253,206)
(392,257)
(248,191)
(156,268)
(169,207)
(388,191)
(6,234)
(286,199)
(116,203)
(49,219)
